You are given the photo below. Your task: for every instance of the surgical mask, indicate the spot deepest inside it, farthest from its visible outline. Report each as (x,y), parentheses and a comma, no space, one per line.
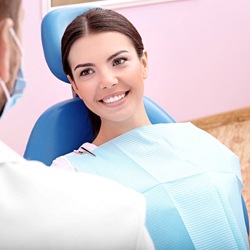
(19,85)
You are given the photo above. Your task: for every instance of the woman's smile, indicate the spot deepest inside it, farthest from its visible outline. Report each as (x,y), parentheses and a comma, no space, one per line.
(117,98)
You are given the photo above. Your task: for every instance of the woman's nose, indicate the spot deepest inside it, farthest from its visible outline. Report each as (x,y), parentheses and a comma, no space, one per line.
(108,79)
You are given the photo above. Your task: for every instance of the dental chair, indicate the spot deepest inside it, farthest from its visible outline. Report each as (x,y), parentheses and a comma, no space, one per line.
(66,125)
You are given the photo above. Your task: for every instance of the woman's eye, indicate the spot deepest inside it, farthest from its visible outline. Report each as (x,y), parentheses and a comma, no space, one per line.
(86,72)
(119,61)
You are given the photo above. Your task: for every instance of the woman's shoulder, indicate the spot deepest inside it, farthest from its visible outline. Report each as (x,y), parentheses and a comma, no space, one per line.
(186,129)
(189,135)
(62,162)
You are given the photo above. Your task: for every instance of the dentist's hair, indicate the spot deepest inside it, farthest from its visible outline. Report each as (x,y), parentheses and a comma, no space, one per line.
(10,8)
(97,20)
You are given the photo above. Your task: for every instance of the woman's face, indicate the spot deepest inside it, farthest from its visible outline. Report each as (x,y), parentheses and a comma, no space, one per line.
(108,75)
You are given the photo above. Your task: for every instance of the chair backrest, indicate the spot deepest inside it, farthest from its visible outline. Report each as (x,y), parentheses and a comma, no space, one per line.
(53,27)
(66,125)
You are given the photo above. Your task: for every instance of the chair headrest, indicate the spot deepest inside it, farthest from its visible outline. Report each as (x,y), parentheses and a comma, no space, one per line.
(53,26)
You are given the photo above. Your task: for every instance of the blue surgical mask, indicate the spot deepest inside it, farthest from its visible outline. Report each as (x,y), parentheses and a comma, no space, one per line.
(19,85)
(16,93)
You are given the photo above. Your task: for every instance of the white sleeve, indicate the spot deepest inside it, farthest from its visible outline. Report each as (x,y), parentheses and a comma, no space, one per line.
(44,208)
(143,240)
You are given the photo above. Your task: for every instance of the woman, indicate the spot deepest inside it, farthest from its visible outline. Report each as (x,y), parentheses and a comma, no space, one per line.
(191,182)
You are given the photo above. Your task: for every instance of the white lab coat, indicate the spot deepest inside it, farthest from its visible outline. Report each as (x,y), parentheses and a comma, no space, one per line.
(43,208)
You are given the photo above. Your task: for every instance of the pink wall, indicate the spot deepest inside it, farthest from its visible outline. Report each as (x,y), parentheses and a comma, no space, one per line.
(199,52)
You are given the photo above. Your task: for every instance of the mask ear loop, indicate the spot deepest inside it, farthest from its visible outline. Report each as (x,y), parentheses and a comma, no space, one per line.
(13,33)
(5,90)
(19,45)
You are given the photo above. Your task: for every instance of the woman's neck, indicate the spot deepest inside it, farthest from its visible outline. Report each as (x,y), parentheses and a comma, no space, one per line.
(109,130)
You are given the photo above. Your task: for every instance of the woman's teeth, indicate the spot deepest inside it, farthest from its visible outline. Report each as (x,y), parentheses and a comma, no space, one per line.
(114,99)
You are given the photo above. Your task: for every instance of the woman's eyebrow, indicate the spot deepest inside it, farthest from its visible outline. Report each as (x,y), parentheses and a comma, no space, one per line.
(84,65)
(116,54)
(109,59)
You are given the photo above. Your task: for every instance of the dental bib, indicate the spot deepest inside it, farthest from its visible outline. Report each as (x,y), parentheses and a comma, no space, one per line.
(191,182)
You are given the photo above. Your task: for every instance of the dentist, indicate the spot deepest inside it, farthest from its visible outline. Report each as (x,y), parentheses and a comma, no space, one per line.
(43,208)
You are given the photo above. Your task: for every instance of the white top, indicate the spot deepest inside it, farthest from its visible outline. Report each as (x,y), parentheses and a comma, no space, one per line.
(43,208)
(62,161)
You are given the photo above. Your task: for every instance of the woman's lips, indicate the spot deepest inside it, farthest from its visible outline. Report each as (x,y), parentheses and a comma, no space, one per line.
(114,98)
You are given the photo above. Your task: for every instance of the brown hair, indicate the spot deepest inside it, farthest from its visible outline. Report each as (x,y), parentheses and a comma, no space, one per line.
(10,8)
(97,20)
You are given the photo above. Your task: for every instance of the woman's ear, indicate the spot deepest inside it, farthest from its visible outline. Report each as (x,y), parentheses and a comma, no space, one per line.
(5,49)
(144,60)
(73,84)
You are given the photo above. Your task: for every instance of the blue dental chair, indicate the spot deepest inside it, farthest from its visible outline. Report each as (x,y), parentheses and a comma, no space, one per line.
(66,125)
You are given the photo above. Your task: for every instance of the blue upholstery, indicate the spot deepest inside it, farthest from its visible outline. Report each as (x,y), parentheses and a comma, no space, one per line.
(66,125)
(52,34)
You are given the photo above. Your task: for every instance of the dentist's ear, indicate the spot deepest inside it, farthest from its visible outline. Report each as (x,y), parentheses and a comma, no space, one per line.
(5,48)
(145,64)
